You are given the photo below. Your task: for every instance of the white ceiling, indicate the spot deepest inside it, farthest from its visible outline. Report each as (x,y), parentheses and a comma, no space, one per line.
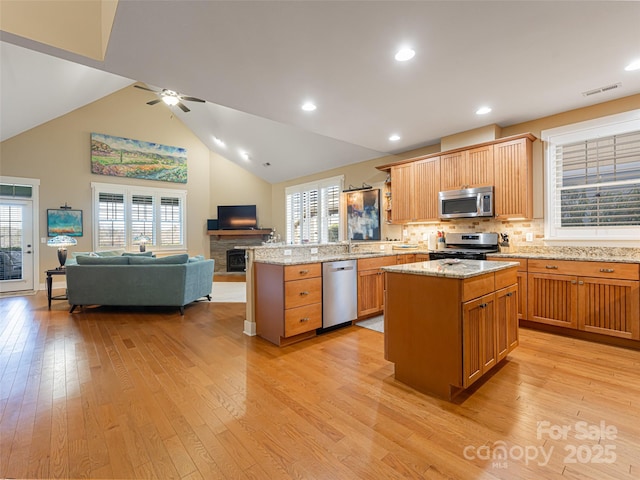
(257,62)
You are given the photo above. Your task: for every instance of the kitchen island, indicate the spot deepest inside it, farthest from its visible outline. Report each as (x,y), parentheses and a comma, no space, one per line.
(447,324)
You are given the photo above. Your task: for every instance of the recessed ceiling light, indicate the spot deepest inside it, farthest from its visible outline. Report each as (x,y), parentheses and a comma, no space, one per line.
(405,54)
(245,155)
(635,65)
(483,110)
(219,142)
(394,138)
(309,106)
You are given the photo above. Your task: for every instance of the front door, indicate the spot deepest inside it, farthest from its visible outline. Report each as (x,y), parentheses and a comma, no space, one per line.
(16,245)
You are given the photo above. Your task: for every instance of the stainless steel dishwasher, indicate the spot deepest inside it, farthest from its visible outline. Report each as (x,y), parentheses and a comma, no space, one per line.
(339,292)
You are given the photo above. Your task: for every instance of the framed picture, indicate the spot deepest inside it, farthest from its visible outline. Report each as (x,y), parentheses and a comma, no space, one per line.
(363,215)
(61,221)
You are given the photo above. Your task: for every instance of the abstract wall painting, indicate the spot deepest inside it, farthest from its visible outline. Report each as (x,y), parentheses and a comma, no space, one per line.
(363,215)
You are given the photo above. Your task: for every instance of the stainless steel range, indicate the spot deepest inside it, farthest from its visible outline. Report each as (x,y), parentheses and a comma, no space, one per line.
(473,246)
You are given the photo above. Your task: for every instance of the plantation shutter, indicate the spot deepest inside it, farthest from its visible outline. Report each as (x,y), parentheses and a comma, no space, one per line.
(142,217)
(598,182)
(313,212)
(170,221)
(111,220)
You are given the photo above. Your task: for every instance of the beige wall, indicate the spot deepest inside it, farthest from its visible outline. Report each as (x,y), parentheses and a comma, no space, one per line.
(58,153)
(233,185)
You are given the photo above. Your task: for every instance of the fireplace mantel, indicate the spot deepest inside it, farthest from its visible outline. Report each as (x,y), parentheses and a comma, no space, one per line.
(238,233)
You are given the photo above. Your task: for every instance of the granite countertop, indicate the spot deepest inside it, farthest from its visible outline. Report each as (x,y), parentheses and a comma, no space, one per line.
(298,260)
(444,268)
(590,255)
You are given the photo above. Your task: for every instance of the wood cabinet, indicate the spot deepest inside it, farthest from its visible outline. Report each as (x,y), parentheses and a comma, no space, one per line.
(467,168)
(422,257)
(403,258)
(597,297)
(371,284)
(513,184)
(505,164)
(479,346)
(288,301)
(402,193)
(522,282)
(443,334)
(414,191)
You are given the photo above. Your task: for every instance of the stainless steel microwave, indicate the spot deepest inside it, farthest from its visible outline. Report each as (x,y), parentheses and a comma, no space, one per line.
(467,203)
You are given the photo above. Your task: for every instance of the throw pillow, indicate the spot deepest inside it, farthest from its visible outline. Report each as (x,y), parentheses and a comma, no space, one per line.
(111,253)
(88,260)
(170,260)
(135,254)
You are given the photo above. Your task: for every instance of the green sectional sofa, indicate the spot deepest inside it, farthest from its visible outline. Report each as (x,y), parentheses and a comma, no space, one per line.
(176,280)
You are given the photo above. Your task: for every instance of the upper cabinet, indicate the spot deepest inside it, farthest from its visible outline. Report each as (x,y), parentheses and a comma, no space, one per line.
(467,168)
(414,190)
(513,165)
(505,164)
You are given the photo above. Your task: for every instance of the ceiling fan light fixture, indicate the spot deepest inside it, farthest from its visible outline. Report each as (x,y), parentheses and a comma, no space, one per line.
(170,100)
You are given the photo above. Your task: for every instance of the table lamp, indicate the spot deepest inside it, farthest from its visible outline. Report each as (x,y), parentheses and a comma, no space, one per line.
(142,240)
(62,242)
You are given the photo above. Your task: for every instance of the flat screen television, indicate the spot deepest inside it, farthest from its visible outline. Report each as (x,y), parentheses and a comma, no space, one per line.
(237,217)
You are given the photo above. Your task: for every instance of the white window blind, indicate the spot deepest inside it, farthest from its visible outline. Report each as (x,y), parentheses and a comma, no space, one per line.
(598,182)
(313,212)
(593,184)
(122,213)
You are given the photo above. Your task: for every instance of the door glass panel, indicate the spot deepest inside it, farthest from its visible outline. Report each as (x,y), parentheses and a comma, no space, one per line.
(11,242)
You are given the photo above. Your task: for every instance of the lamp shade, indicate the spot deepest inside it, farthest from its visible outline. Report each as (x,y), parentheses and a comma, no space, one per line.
(62,242)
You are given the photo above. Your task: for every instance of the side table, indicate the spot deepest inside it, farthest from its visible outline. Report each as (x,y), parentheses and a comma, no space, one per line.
(50,274)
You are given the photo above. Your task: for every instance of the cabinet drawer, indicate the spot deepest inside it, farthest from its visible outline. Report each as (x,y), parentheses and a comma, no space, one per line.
(624,271)
(376,262)
(506,278)
(298,272)
(475,287)
(302,319)
(521,261)
(302,292)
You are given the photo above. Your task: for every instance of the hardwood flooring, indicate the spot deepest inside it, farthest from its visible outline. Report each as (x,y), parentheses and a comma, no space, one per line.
(146,393)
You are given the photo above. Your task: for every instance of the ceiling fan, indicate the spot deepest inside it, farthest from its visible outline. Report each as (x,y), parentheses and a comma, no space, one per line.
(171,98)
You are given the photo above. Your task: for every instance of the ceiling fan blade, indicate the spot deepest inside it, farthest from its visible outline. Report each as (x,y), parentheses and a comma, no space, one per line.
(145,88)
(192,99)
(183,108)
(153,102)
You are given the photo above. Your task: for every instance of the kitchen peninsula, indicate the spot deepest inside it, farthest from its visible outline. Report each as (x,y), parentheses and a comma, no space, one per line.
(448,323)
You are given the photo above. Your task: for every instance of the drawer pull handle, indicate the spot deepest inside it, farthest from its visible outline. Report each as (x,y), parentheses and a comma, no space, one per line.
(510,294)
(484,305)
(551,267)
(305,319)
(304,293)
(304,272)
(580,282)
(607,270)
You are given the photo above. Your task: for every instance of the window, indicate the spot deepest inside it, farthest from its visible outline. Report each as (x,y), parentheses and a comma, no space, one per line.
(313,211)
(123,213)
(593,181)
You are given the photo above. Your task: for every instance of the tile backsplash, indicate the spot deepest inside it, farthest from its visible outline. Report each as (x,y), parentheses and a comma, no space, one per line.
(517,230)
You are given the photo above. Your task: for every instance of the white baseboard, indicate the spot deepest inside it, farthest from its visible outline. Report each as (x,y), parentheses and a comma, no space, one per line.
(249,328)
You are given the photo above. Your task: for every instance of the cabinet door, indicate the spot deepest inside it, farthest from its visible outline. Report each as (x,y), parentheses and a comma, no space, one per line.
(553,299)
(522,295)
(402,193)
(452,170)
(479,348)
(406,258)
(609,307)
(513,179)
(506,320)
(370,292)
(479,167)
(426,187)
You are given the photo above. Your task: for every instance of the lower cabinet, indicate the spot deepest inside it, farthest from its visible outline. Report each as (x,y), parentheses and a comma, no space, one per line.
(597,297)
(507,316)
(288,301)
(371,284)
(479,345)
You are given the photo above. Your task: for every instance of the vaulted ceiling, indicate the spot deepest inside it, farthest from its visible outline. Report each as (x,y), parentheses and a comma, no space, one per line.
(256,63)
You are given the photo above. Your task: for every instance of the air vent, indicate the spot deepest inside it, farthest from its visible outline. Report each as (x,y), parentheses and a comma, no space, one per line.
(602,89)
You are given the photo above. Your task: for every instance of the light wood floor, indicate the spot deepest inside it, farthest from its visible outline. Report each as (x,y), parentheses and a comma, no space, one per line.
(122,393)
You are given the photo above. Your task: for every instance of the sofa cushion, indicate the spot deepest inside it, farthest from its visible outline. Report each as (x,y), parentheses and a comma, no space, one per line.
(87,260)
(170,260)
(111,253)
(196,258)
(136,254)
